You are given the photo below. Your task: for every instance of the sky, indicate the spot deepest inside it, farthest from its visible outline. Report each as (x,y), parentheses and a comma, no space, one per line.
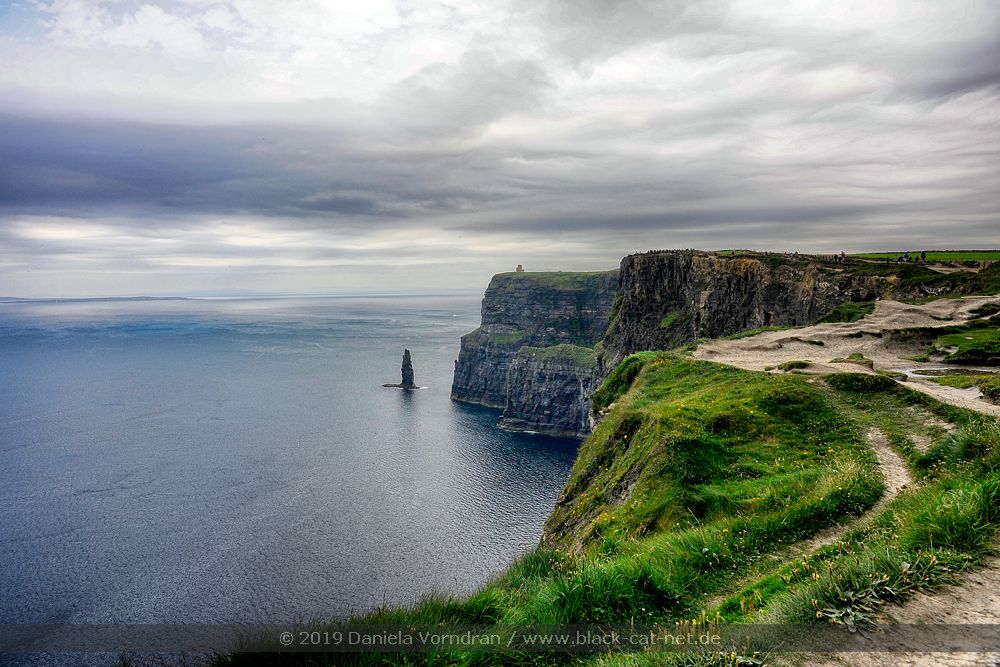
(303,146)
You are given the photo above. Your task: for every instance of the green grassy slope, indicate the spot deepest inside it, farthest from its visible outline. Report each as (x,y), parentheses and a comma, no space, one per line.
(974,342)
(973,346)
(689,494)
(693,442)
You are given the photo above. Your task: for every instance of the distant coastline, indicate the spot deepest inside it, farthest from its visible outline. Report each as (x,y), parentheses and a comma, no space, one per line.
(249,295)
(14,299)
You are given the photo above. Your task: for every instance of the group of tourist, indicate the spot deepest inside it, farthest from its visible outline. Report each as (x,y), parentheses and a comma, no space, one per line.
(907,257)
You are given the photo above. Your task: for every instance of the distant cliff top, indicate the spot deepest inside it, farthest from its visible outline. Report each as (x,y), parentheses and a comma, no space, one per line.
(559,280)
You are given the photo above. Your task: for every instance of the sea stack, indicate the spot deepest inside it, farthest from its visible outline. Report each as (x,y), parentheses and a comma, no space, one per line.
(407,371)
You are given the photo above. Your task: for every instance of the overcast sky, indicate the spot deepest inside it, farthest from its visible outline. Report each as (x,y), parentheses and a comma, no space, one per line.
(203,146)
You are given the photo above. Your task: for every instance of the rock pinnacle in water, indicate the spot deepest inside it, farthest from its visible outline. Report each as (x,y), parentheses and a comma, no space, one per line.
(407,371)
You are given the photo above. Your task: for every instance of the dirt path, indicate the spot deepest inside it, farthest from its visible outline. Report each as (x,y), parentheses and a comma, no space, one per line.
(973,600)
(822,344)
(963,398)
(897,477)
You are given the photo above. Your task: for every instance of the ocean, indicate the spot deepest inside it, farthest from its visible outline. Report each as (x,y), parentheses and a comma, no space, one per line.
(238,460)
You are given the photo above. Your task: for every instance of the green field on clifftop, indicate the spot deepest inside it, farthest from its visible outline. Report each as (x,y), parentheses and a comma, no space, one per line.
(938,255)
(691,496)
(562,280)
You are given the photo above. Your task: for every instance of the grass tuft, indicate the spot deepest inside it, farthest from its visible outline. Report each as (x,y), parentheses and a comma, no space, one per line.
(861,383)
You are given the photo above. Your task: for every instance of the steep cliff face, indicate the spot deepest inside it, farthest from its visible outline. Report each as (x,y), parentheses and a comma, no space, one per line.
(670,298)
(549,388)
(538,310)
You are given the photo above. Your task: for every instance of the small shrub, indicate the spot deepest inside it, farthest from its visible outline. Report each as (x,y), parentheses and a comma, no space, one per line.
(851,311)
(861,383)
(856,606)
(990,386)
(986,310)
(669,320)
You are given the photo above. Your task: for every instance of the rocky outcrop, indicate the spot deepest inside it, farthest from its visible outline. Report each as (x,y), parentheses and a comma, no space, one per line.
(406,371)
(549,388)
(536,310)
(669,298)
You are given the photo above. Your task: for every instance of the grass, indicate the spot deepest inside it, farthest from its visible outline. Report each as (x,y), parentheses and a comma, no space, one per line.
(693,487)
(669,320)
(938,255)
(972,346)
(975,342)
(921,540)
(861,383)
(560,280)
(508,337)
(793,364)
(620,380)
(854,358)
(850,311)
(918,283)
(576,355)
(990,386)
(692,442)
(958,381)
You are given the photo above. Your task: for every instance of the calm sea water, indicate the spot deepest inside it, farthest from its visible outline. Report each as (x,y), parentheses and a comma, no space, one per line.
(237,460)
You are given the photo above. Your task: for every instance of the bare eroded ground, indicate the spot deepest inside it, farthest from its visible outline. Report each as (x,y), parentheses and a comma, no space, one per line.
(820,344)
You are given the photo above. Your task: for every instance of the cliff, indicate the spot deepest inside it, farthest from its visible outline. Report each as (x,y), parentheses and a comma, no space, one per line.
(549,388)
(537,310)
(666,299)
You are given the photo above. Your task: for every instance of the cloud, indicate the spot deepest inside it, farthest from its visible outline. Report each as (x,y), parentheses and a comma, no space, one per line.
(477,90)
(588,31)
(244,137)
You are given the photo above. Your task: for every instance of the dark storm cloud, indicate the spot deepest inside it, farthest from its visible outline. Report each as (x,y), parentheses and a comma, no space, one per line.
(964,68)
(56,165)
(61,167)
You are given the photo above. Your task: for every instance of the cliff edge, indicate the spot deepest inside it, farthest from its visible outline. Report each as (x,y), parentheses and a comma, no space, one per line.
(533,312)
